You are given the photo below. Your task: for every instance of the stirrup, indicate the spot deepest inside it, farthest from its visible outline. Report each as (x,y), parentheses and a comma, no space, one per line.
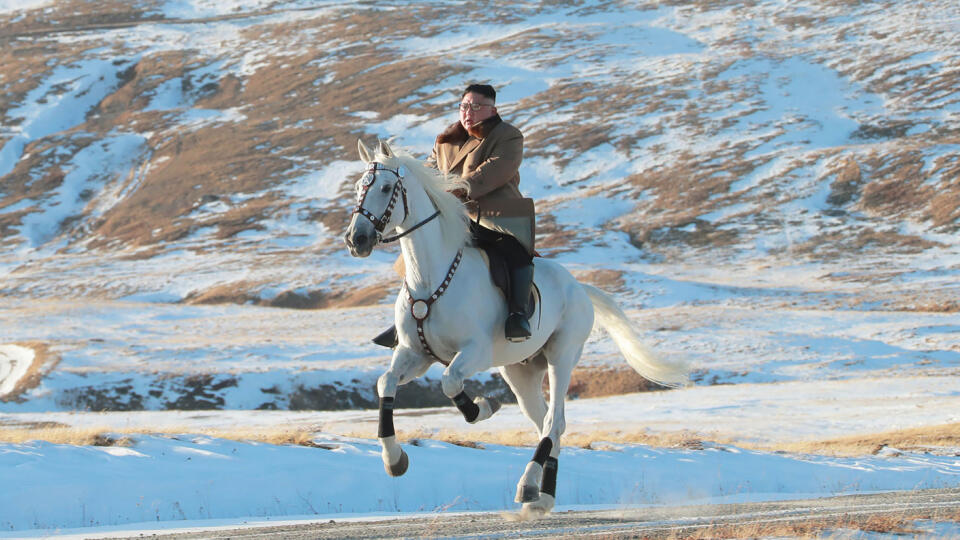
(388,338)
(517,328)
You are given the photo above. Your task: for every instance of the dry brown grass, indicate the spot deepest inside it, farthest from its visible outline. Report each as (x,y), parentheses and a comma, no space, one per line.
(945,438)
(596,440)
(243,292)
(932,438)
(914,439)
(104,436)
(607,381)
(514,437)
(59,434)
(609,280)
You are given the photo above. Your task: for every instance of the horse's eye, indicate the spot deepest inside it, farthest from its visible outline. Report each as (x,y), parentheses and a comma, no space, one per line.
(386,188)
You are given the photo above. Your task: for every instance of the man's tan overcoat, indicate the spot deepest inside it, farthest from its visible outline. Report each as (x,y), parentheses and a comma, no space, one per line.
(488,157)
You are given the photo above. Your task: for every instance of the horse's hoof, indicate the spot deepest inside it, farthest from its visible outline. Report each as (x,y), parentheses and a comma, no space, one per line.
(400,467)
(539,508)
(527,494)
(487,407)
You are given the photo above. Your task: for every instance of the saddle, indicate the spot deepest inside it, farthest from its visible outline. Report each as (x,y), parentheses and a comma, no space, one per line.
(500,274)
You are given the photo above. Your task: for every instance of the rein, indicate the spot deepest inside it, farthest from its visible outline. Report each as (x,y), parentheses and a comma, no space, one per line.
(381,223)
(394,238)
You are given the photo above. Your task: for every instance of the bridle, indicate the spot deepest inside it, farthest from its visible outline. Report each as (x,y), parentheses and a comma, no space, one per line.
(399,192)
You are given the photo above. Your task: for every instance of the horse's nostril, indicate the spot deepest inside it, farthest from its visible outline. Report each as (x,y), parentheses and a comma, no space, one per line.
(361,239)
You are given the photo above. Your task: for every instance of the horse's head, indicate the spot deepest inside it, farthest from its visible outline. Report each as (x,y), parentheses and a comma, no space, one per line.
(378,192)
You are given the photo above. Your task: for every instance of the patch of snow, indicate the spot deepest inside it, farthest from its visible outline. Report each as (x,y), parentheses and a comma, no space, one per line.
(92,167)
(61,102)
(327,183)
(15,361)
(9,6)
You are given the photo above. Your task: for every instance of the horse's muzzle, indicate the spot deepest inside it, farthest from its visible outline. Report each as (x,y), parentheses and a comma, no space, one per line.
(359,241)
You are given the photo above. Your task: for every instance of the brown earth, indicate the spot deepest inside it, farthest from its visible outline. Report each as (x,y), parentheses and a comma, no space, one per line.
(297,108)
(607,381)
(239,293)
(924,439)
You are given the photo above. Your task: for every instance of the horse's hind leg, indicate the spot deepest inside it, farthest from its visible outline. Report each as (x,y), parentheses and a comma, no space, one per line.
(562,352)
(537,487)
(526,382)
(405,366)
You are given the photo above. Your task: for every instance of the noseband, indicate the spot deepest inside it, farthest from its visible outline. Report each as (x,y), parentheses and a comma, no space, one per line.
(399,191)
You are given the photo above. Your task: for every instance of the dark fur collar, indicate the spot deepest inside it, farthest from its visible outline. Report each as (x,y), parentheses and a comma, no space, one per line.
(457,135)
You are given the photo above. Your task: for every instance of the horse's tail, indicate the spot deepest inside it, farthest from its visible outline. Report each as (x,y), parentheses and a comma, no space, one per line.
(612,319)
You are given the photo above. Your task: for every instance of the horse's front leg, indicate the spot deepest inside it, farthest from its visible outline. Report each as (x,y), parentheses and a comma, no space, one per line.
(405,366)
(472,358)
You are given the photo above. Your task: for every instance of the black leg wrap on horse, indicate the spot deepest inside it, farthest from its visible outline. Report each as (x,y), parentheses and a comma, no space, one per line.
(385,428)
(466,405)
(543,451)
(549,484)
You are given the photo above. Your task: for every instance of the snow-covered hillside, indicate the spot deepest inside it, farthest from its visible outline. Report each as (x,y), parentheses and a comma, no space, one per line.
(685,156)
(174,147)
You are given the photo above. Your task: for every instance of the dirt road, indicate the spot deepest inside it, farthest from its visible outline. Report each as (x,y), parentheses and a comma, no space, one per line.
(869,512)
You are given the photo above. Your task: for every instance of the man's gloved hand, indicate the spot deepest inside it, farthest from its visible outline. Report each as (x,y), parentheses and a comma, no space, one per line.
(460,193)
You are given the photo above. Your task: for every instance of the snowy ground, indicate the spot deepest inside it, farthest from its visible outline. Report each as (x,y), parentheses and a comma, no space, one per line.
(188,477)
(776,364)
(198,480)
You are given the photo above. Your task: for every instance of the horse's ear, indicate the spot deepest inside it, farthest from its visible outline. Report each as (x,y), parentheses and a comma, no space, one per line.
(364,151)
(385,149)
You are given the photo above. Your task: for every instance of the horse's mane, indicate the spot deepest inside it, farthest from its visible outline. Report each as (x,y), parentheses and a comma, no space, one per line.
(453,217)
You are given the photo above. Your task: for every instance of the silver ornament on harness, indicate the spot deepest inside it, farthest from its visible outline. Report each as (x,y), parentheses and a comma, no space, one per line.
(420,309)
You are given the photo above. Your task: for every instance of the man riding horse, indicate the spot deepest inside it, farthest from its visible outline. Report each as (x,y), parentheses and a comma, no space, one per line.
(486,152)
(454,317)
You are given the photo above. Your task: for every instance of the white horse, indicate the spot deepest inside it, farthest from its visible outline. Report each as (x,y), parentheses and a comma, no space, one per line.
(451,312)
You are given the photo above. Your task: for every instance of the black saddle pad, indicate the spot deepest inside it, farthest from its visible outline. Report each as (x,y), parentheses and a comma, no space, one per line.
(500,273)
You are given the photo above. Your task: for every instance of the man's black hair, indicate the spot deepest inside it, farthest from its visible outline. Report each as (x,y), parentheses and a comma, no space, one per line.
(484,90)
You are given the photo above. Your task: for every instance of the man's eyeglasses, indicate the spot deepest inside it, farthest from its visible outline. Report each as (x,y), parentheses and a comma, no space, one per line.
(472,106)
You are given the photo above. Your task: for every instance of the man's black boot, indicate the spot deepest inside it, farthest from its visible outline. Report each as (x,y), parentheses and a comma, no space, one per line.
(517,328)
(388,339)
